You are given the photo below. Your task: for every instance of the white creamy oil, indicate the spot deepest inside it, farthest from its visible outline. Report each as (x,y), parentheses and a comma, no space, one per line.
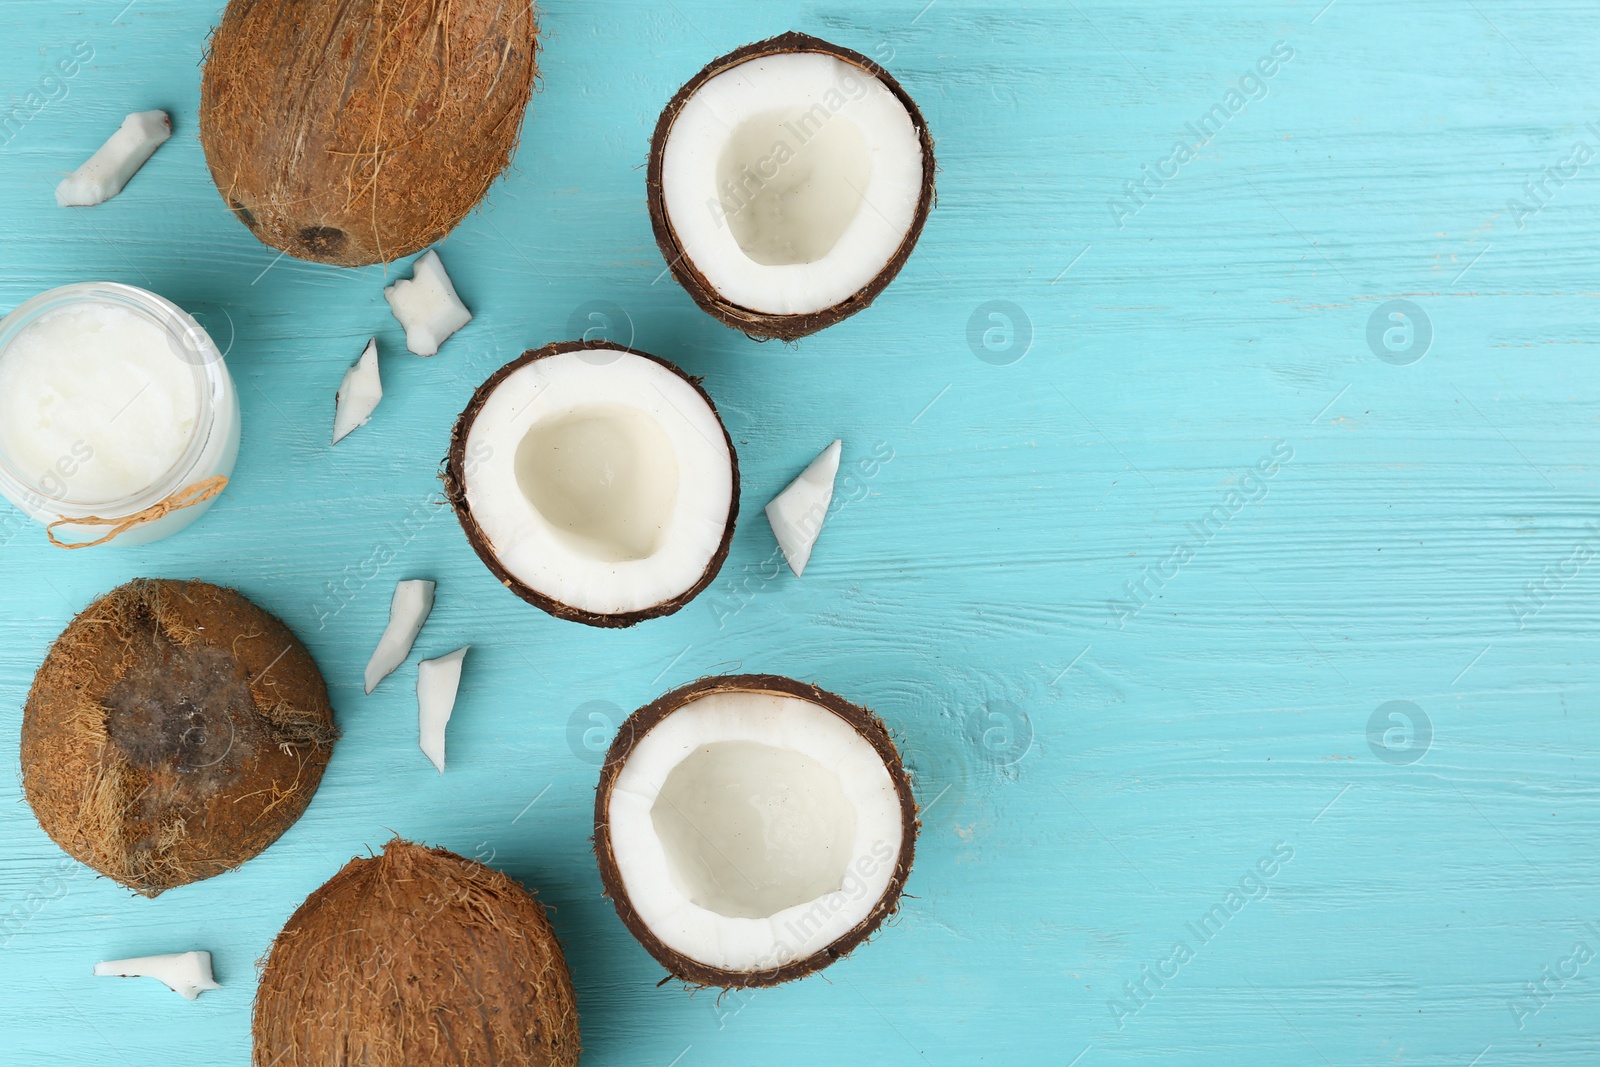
(96,403)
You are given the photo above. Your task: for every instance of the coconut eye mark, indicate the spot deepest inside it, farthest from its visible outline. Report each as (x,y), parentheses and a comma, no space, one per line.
(318,241)
(749,829)
(790,182)
(605,479)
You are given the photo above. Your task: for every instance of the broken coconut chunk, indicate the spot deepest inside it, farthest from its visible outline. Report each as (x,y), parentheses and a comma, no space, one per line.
(358,393)
(426,305)
(186,973)
(109,169)
(413,599)
(796,514)
(437,681)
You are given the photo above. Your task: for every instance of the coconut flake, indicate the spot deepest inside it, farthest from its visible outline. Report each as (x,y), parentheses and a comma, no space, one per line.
(186,973)
(426,305)
(797,513)
(109,169)
(358,394)
(408,610)
(437,681)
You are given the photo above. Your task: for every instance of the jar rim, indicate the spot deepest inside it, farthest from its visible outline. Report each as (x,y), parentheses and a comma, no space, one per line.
(190,343)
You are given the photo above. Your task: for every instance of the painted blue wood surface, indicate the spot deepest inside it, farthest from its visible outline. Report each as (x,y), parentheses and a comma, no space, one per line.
(1145,682)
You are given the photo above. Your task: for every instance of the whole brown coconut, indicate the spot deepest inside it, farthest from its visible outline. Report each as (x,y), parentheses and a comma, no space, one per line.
(417,956)
(363,131)
(174,731)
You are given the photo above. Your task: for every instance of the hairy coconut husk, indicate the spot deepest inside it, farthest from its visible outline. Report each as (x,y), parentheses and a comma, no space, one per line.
(455,486)
(417,956)
(174,731)
(359,132)
(640,723)
(764,325)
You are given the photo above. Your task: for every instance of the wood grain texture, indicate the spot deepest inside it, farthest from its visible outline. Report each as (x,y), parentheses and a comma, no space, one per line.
(965,581)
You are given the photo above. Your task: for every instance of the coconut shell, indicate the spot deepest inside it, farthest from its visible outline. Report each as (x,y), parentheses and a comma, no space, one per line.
(417,956)
(362,131)
(174,731)
(640,723)
(759,324)
(455,484)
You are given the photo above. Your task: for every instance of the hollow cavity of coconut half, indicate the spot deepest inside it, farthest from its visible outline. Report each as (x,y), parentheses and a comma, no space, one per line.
(753,829)
(788,183)
(596,482)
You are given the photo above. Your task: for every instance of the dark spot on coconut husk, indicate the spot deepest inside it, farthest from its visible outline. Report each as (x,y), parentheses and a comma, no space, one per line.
(174,731)
(188,709)
(245,215)
(633,731)
(455,486)
(384,120)
(416,956)
(321,242)
(761,325)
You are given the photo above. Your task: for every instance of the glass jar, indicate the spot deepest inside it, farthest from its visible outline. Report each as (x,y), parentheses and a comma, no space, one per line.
(162,507)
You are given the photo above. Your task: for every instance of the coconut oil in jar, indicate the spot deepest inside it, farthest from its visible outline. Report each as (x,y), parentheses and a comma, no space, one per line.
(117,414)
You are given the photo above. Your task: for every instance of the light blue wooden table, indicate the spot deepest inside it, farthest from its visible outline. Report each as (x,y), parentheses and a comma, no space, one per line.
(1175,511)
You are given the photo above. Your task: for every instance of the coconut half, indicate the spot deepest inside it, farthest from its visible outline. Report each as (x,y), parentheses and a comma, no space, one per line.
(174,730)
(752,829)
(788,183)
(595,481)
(416,956)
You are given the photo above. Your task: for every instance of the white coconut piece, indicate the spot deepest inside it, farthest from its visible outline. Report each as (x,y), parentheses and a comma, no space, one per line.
(437,681)
(608,486)
(751,830)
(358,394)
(797,513)
(186,973)
(791,181)
(109,169)
(408,610)
(426,305)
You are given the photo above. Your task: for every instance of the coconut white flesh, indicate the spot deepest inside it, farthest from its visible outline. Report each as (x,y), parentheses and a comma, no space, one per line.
(426,305)
(753,829)
(186,973)
(797,513)
(358,393)
(108,170)
(408,610)
(791,181)
(607,480)
(437,682)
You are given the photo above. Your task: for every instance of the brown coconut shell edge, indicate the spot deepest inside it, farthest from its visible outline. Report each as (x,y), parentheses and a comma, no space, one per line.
(82,785)
(349,911)
(641,722)
(758,324)
(455,484)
